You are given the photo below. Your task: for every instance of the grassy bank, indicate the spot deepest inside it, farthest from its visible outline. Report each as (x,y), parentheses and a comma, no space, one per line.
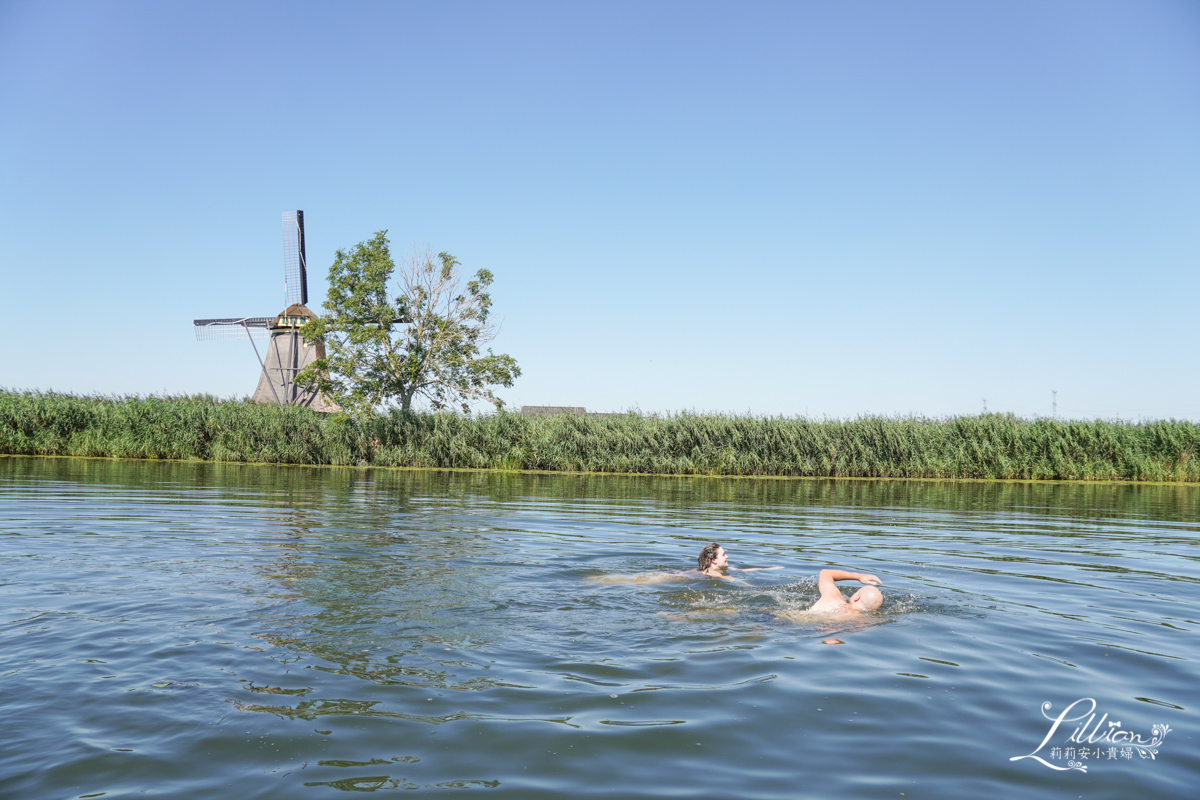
(989,446)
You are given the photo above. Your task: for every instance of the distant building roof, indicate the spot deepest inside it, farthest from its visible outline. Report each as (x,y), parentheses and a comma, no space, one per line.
(551,411)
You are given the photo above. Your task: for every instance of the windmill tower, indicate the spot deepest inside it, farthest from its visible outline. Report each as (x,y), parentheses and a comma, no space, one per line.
(287,352)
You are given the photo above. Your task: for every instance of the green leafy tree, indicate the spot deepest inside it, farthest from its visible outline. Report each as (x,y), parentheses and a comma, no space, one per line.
(425,341)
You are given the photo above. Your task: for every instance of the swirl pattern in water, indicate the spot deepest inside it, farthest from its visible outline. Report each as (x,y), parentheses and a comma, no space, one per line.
(200,630)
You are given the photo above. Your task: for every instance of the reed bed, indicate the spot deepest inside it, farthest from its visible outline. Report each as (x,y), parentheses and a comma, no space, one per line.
(998,446)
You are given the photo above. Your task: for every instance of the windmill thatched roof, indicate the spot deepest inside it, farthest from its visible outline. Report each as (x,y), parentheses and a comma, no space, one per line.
(298,310)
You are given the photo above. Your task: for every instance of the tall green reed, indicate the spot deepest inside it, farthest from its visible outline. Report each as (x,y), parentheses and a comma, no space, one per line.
(988,446)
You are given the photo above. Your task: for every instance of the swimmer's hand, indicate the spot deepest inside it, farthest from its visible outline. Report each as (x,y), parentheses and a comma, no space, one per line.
(868,580)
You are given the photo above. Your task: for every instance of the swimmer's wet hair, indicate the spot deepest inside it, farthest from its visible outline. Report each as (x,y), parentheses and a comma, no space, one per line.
(707,555)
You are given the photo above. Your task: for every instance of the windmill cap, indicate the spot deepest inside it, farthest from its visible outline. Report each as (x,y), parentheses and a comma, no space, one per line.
(293,316)
(299,310)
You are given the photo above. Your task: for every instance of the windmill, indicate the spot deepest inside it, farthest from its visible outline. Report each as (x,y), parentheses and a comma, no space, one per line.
(287,352)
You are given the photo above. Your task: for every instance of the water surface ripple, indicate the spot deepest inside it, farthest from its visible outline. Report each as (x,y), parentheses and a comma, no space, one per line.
(200,630)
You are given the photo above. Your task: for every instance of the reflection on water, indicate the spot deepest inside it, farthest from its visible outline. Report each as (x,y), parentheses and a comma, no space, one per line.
(186,628)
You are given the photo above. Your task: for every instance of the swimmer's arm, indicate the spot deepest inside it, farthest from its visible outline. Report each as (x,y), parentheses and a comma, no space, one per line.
(826,581)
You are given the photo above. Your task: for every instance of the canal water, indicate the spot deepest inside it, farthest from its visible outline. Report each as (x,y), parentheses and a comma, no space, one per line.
(201,630)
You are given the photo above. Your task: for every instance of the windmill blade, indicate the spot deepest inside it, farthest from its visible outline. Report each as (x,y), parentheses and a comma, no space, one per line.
(295,271)
(209,330)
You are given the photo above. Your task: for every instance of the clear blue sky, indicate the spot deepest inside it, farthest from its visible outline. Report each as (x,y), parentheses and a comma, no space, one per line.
(822,208)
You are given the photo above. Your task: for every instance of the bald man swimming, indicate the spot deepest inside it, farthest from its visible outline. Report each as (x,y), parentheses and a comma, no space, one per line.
(832,601)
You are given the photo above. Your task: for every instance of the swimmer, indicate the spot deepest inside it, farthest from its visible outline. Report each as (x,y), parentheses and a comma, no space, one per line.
(713,563)
(865,600)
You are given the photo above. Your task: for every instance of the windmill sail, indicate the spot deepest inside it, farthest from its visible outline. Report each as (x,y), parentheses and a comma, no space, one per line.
(209,330)
(295,270)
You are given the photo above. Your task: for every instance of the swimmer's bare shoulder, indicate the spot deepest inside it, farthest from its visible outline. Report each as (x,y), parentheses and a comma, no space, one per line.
(826,606)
